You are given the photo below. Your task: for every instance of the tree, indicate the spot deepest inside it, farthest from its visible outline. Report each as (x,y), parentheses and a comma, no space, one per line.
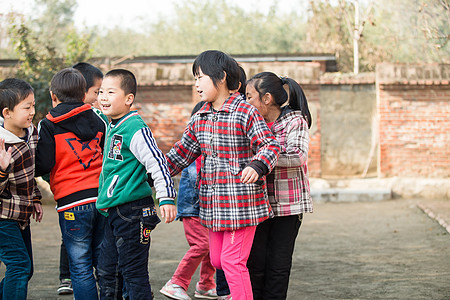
(47,48)
(206,24)
(356,26)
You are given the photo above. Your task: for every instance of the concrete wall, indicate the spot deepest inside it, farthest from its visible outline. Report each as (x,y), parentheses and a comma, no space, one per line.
(347,116)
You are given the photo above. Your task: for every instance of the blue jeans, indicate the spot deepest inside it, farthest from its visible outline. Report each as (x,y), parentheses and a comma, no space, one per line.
(82,229)
(125,250)
(14,254)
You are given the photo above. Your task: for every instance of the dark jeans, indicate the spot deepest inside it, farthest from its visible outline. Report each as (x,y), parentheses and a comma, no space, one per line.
(270,260)
(16,257)
(64,271)
(221,283)
(125,250)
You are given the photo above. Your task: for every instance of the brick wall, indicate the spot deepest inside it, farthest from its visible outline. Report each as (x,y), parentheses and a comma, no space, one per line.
(411,114)
(166,96)
(414,120)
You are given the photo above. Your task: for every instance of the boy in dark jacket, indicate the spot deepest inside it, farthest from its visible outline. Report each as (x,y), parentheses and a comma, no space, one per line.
(70,146)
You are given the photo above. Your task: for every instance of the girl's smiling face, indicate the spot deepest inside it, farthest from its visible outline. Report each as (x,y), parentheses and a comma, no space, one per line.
(209,92)
(205,87)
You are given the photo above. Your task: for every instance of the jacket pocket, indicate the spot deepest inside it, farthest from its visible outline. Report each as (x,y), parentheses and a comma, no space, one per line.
(287,191)
(235,167)
(112,186)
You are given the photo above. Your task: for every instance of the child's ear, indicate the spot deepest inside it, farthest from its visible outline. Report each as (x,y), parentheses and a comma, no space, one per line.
(55,100)
(267,98)
(224,79)
(130,99)
(5,112)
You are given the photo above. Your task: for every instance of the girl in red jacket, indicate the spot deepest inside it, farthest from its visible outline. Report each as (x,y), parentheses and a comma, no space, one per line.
(237,150)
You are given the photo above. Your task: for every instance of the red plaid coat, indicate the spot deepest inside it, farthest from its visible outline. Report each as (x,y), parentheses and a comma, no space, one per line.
(288,184)
(228,140)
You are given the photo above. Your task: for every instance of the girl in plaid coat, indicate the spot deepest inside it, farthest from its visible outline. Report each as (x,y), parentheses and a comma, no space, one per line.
(237,150)
(288,185)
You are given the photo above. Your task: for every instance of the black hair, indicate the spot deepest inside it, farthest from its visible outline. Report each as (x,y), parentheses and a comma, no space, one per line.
(268,82)
(89,72)
(68,85)
(128,81)
(215,64)
(12,92)
(242,80)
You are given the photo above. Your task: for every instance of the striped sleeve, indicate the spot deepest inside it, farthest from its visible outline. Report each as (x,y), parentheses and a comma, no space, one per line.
(144,148)
(185,151)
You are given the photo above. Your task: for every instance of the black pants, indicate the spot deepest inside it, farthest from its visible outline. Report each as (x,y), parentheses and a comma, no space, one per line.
(270,259)
(125,250)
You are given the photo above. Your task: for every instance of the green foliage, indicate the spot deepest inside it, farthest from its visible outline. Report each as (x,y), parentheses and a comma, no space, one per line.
(47,48)
(396,31)
(198,25)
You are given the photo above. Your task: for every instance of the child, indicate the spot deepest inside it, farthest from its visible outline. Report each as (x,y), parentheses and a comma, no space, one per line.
(197,237)
(124,194)
(19,194)
(288,186)
(93,77)
(237,150)
(70,149)
(223,290)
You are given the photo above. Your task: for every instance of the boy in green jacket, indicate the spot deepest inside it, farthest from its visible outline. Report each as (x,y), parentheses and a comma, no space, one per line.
(124,194)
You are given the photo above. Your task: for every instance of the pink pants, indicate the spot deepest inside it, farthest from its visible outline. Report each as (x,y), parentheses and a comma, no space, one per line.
(229,252)
(198,239)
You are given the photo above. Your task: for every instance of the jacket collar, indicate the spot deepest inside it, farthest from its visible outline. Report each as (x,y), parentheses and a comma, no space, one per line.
(228,106)
(10,137)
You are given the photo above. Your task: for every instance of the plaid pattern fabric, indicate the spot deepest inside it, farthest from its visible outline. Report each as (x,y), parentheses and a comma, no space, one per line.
(288,184)
(17,185)
(227,140)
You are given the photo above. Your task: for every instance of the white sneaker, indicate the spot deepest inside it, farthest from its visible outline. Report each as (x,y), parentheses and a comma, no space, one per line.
(209,294)
(174,291)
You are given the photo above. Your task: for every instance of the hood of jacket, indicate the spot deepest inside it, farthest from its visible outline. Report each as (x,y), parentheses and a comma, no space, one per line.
(11,138)
(75,117)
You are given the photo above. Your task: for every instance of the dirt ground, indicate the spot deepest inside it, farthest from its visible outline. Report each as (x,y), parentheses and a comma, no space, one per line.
(362,250)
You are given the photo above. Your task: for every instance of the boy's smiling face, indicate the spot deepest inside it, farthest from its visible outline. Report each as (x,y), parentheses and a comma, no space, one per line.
(17,120)
(112,99)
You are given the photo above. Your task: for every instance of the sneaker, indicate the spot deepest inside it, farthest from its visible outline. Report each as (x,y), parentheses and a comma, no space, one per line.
(174,291)
(65,287)
(209,294)
(226,297)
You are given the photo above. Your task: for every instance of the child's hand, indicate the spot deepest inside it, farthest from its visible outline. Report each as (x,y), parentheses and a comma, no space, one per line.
(249,175)
(5,156)
(168,212)
(38,212)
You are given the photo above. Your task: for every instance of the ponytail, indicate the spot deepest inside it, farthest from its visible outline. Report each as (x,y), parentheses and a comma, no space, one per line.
(268,82)
(297,99)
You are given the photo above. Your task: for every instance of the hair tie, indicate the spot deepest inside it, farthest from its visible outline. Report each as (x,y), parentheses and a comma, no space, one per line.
(283,80)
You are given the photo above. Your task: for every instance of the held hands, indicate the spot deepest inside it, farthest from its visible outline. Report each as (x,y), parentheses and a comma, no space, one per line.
(168,212)
(5,156)
(38,212)
(249,175)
